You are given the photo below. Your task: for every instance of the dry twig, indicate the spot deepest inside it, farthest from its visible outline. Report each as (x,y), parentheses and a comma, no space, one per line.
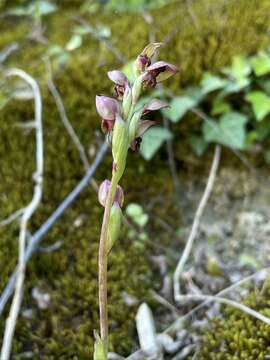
(27,214)
(35,239)
(196,223)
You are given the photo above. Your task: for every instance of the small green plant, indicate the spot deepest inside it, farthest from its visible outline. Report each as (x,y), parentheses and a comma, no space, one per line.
(233,108)
(35,9)
(122,121)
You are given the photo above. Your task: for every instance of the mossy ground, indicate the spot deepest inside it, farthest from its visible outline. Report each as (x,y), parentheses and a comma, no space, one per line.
(238,336)
(69,275)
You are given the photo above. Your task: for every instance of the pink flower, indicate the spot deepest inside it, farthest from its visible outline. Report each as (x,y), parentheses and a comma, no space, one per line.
(144,125)
(104,190)
(142,62)
(121,82)
(158,72)
(154,105)
(107,109)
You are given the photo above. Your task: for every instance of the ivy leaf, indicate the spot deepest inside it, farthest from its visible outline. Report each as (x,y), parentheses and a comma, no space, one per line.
(265,85)
(211,83)
(153,140)
(261,64)
(260,104)
(198,144)
(234,87)
(195,92)
(179,106)
(240,67)
(220,106)
(230,130)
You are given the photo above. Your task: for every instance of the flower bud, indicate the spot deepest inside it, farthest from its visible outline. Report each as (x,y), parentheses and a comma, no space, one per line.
(114,225)
(104,190)
(141,63)
(119,146)
(144,59)
(127,102)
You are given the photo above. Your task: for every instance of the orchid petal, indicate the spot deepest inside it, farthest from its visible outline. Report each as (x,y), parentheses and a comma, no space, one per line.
(118,77)
(144,125)
(162,70)
(107,107)
(154,105)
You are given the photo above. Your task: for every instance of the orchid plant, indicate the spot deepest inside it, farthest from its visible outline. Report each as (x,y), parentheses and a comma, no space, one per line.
(124,124)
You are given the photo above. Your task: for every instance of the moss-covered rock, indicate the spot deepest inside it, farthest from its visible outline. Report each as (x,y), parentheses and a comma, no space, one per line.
(238,335)
(69,275)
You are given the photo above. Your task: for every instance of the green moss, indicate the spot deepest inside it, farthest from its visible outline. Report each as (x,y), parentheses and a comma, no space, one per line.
(237,335)
(69,275)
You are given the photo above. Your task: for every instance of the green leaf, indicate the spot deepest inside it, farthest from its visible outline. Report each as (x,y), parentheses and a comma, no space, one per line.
(265,85)
(103,31)
(266,156)
(260,104)
(198,144)
(141,220)
(248,260)
(18,11)
(220,106)
(41,8)
(74,43)
(179,107)
(230,130)
(234,87)
(240,67)
(261,64)
(211,83)
(195,93)
(136,213)
(134,210)
(153,140)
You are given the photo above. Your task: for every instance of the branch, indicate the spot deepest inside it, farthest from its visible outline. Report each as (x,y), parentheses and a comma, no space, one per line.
(12,217)
(178,323)
(26,216)
(229,302)
(35,239)
(194,230)
(63,115)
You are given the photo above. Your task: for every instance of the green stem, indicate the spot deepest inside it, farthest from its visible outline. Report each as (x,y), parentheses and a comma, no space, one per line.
(102,265)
